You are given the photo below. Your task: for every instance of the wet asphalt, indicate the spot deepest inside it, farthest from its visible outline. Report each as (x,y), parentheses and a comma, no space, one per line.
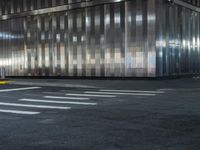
(167,120)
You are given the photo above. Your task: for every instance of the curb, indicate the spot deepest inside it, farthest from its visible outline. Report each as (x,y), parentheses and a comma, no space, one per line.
(4,82)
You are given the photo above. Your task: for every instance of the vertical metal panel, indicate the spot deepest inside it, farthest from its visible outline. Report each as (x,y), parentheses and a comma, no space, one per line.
(92,43)
(97,40)
(1,43)
(88,41)
(151,28)
(42,42)
(1,7)
(79,42)
(72,38)
(47,40)
(83,42)
(65,44)
(118,39)
(108,33)
(62,45)
(39,44)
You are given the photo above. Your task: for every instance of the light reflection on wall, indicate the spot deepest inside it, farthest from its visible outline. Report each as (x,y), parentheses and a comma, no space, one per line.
(137,38)
(10,36)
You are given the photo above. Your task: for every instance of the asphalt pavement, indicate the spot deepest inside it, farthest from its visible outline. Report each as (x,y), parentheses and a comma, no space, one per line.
(47,114)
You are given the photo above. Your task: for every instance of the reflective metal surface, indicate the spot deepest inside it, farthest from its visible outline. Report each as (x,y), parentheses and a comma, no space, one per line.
(177,40)
(19,8)
(192,4)
(135,38)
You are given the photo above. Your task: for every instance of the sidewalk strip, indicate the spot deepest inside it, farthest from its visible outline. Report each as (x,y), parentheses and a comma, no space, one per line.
(134,91)
(4,82)
(72,98)
(57,102)
(19,112)
(117,93)
(19,89)
(33,106)
(91,95)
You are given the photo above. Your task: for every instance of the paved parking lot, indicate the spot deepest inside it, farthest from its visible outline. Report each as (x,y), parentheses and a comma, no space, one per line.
(100,115)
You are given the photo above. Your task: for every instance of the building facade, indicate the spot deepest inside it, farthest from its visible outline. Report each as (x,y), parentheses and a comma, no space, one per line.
(99,38)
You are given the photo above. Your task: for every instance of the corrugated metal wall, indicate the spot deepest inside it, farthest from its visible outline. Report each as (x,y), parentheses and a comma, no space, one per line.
(108,40)
(193,2)
(136,38)
(177,40)
(18,6)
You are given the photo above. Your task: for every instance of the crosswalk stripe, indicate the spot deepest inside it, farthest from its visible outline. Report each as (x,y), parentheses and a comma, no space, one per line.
(91,95)
(134,91)
(57,102)
(19,89)
(19,112)
(117,93)
(71,98)
(52,93)
(33,106)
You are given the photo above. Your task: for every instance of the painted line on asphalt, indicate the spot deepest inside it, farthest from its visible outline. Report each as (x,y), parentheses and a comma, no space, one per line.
(33,106)
(19,112)
(134,91)
(19,89)
(166,89)
(117,93)
(57,102)
(58,93)
(70,98)
(91,95)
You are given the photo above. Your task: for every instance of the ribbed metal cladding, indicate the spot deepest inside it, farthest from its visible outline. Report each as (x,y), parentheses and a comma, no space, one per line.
(177,40)
(135,38)
(193,2)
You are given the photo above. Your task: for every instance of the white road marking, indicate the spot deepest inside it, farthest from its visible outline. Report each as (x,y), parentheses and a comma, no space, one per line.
(134,91)
(19,112)
(53,93)
(19,89)
(33,106)
(57,102)
(166,89)
(117,93)
(72,98)
(90,95)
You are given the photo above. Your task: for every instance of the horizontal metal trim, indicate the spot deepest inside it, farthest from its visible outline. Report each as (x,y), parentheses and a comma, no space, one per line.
(184,4)
(59,8)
